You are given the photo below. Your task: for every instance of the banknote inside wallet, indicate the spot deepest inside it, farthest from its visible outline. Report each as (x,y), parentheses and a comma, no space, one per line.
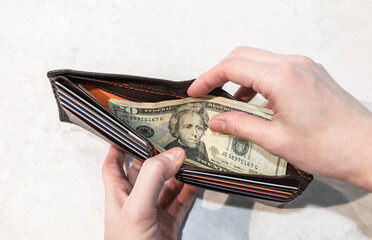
(103,97)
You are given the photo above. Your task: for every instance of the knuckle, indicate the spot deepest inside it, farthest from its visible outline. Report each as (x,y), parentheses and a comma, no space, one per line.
(229,64)
(271,145)
(275,144)
(155,165)
(238,50)
(237,126)
(225,66)
(226,62)
(266,143)
(286,69)
(155,169)
(304,61)
(320,66)
(265,140)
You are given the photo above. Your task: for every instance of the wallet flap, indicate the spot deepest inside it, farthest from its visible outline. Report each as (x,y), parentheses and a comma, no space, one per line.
(134,88)
(80,108)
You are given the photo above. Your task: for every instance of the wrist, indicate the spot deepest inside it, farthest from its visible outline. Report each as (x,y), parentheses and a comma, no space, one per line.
(361,176)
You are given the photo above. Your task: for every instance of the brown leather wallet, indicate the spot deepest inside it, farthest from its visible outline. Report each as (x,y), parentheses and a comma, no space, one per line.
(88,108)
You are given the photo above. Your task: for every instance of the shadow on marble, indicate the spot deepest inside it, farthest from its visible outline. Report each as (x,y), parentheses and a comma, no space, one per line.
(326,192)
(321,193)
(219,198)
(218,213)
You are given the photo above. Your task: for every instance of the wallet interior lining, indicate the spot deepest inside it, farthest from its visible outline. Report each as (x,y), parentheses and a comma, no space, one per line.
(101,95)
(134,92)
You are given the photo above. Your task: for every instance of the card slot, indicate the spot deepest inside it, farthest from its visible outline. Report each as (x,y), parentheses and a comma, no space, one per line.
(126,134)
(244,185)
(235,191)
(242,178)
(86,99)
(238,188)
(118,132)
(102,116)
(103,128)
(72,113)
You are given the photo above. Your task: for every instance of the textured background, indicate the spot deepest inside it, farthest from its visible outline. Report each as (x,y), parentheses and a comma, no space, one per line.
(50,177)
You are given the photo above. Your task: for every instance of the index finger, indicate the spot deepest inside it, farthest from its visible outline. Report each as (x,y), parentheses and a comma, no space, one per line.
(245,72)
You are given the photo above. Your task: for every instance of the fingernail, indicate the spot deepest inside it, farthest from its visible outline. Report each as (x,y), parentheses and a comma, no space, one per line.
(218,125)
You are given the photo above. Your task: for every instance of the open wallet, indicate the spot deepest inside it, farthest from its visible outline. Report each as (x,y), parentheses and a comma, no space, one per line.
(82,99)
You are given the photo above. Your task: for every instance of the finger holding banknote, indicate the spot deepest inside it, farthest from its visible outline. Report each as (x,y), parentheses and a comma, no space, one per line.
(316,126)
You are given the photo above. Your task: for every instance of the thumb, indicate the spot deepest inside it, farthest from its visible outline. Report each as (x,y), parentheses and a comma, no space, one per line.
(243,125)
(152,176)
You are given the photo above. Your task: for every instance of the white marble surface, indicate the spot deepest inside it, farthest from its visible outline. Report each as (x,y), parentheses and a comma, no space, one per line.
(50,178)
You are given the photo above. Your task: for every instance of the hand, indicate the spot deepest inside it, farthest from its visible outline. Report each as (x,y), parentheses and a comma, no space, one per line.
(147,202)
(317,126)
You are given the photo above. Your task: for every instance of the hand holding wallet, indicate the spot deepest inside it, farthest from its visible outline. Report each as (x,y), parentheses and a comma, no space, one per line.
(82,99)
